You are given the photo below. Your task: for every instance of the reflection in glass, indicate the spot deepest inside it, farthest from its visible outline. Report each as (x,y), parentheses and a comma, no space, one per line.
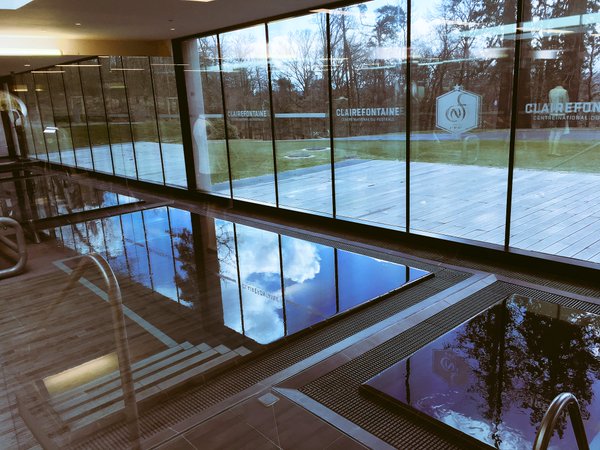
(309,283)
(245,80)
(240,281)
(260,280)
(77,117)
(207,122)
(494,377)
(368,81)
(169,126)
(48,126)
(95,115)
(362,278)
(119,122)
(228,275)
(297,52)
(60,113)
(462,68)
(26,137)
(142,114)
(43,197)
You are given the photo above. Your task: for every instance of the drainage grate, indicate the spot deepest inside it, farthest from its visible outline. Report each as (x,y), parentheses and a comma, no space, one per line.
(339,389)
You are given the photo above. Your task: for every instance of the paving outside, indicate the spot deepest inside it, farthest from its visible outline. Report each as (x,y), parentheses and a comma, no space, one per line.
(553,212)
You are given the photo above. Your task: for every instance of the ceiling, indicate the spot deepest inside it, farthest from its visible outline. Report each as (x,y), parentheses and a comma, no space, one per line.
(72,25)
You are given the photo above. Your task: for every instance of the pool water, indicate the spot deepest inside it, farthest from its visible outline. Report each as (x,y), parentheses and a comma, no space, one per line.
(492,378)
(40,197)
(259,284)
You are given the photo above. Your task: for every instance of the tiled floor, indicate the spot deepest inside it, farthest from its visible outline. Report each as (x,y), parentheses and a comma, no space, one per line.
(253,425)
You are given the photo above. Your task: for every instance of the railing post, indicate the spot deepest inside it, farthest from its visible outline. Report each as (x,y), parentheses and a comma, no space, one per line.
(560,402)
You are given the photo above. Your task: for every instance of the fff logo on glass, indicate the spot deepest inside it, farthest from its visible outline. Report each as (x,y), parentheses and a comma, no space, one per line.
(457,111)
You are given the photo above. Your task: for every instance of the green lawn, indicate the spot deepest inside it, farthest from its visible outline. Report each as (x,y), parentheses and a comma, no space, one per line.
(251,158)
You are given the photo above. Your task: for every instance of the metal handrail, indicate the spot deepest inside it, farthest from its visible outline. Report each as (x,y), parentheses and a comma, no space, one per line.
(560,402)
(116,305)
(19,248)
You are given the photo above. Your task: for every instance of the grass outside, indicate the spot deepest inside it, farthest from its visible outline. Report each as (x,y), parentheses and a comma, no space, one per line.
(250,158)
(254,158)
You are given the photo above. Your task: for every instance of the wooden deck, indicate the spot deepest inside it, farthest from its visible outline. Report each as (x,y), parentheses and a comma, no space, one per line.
(44,334)
(553,212)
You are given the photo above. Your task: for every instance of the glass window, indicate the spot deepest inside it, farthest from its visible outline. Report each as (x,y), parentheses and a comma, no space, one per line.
(169,126)
(95,115)
(462,66)
(142,113)
(557,160)
(44,102)
(61,117)
(207,123)
(297,52)
(119,122)
(368,77)
(78,125)
(245,80)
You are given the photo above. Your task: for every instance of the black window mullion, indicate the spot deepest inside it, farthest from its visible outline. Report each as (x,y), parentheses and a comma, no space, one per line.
(513,124)
(272,118)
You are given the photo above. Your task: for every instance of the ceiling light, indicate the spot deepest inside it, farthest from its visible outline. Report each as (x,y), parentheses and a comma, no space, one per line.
(47,71)
(50,130)
(77,24)
(27,65)
(13,4)
(16,51)
(77,65)
(118,68)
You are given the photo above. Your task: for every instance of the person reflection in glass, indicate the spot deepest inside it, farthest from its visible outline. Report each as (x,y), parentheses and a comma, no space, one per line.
(559,126)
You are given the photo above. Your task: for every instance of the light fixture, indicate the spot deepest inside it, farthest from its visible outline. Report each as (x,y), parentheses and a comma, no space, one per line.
(77,65)
(16,51)
(82,374)
(13,4)
(77,24)
(50,130)
(27,65)
(47,71)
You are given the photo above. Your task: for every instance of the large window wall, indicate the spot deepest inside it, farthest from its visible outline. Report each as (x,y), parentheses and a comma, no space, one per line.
(112,114)
(329,113)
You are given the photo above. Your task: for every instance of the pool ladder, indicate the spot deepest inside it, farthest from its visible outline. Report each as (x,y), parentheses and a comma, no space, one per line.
(560,402)
(18,248)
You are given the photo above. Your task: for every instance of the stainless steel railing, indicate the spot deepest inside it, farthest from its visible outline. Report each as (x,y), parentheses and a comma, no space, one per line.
(96,261)
(18,248)
(560,402)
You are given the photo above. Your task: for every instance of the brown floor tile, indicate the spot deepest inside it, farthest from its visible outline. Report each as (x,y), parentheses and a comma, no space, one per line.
(228,431)
(178,444)
(345,443)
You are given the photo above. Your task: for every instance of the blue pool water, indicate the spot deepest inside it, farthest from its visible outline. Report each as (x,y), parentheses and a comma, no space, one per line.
(492,378)
(262,285)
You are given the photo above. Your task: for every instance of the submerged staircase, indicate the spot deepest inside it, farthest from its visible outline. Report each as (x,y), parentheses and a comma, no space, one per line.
(86,409)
